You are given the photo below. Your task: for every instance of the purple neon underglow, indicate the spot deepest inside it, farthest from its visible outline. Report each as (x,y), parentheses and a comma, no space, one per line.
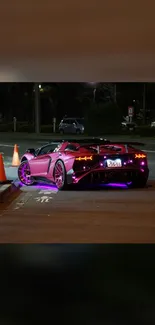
(116,185)
(41,186)
(142,163)
(46,187)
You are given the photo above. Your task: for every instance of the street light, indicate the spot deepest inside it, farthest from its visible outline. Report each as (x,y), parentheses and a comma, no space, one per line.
(37,107)
(94,86)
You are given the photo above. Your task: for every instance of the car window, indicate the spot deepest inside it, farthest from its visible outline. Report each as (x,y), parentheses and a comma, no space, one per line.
(70,121)
(80,121)
(71,147)
(48,149)
(58,147)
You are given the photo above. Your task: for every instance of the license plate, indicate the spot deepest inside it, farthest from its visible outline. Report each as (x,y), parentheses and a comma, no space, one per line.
(114,163)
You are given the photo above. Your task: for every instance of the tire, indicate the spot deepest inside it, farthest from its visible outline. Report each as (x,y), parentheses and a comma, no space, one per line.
(140,182)
(78,131)
(60,176)
(23,174)
(61,131)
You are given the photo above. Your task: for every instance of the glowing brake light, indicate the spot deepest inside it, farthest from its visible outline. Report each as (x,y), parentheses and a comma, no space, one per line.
(140,156)
(84,158)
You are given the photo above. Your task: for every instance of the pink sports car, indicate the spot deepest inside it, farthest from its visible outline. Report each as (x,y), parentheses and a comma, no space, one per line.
(95,161)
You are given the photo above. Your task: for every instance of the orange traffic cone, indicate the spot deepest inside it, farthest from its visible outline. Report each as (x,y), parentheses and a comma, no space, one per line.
(3,178)
(15,159)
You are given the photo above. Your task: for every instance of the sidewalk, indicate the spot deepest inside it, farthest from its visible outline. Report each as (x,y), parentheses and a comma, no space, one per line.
(7,190)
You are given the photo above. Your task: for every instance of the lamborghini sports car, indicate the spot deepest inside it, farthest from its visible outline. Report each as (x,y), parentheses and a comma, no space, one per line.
(95,161)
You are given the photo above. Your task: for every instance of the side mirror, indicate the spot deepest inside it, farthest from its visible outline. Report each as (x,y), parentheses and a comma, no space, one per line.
(31,150)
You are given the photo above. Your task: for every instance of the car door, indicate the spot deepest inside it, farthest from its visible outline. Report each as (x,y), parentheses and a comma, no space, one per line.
(65,126)
(40,164)
(71,126)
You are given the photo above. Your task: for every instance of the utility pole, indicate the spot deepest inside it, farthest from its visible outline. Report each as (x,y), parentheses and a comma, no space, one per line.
(94,95)
(37,108)
(144,103)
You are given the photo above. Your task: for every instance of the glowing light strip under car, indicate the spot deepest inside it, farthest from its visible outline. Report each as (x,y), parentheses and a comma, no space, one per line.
(84,158)
(140,156)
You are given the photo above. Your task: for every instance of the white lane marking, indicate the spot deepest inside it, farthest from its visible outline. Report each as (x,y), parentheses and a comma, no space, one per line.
(7,145)
(151,151)
(48,192)
(19,205)
(43,199)
(42,142)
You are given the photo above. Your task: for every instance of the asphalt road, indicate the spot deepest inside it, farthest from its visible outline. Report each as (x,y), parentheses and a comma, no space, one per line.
(41,214)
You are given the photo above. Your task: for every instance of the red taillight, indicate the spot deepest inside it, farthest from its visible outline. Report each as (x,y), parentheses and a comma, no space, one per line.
(140,156)
(84,158)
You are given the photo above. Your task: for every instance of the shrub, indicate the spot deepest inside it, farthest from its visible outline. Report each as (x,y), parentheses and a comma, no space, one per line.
(145,131)
(7,127)
(103,119)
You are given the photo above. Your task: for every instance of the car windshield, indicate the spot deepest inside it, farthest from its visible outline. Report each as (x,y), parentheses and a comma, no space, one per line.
(49,148)
(80,120)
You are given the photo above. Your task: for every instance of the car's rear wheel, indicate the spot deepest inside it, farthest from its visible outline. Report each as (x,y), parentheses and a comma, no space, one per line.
(24,174)
(139,182)
(60,175)
(61,131)
(78,131)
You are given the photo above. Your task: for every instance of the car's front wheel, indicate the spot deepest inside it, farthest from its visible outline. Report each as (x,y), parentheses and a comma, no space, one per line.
(60,175)
(24,174)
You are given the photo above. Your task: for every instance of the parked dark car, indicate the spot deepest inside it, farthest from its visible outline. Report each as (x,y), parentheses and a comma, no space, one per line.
(71,125)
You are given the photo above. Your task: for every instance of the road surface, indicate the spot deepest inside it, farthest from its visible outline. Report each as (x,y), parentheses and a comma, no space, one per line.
(41,214)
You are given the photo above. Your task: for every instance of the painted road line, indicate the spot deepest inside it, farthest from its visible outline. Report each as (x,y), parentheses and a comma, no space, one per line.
(43,142)
(149,151)
(8,145)
(43,199)
(47,192)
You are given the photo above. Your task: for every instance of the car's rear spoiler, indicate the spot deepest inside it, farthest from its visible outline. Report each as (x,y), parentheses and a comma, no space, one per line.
(85,140)
(82,140)
(98,141)
(128,143)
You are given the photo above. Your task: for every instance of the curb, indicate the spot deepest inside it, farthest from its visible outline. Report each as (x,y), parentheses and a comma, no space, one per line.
(49,136)
(8,189)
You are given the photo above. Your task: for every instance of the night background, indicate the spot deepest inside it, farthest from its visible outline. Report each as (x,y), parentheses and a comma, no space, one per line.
(101,104)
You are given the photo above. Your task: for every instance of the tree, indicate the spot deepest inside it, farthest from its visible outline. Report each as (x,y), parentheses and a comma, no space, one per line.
(103,119)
